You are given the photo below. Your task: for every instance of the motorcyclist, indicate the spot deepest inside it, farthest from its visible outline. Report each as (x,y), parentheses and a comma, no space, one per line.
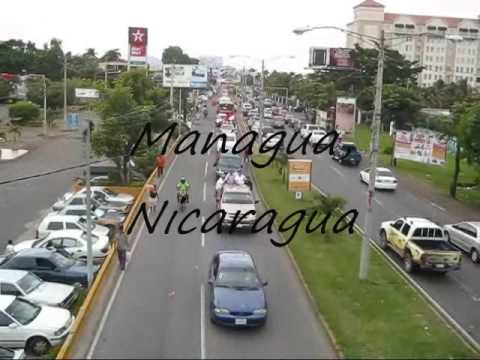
(183,188)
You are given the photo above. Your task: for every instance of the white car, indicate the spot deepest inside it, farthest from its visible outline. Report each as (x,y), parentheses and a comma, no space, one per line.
(72,241)
(81,199)
(466,236)
(255,126)
(29,286)
(316,136)
(267,114)
(384,179)
(53,222)
(237,198)
(35,327)
(227,129)
(229,144)
(308,128)
(105,194)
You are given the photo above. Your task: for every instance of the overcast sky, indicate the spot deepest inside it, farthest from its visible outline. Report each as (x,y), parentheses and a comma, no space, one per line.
(209,27)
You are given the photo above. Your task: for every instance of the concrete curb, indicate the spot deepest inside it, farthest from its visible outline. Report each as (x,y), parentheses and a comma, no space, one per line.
(449,321)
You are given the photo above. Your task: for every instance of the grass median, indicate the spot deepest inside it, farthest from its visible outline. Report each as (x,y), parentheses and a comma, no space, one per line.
(380,318)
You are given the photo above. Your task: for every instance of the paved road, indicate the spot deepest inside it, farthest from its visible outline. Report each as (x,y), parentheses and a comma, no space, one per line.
(458,292)
(24,203)
(161,310)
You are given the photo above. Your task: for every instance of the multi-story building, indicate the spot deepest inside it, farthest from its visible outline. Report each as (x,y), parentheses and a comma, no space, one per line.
(448,47)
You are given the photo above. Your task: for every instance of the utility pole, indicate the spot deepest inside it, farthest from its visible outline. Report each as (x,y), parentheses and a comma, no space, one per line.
(374,140)
(262,96)
(45,126)
(106,77)
(89,202)
(65,110)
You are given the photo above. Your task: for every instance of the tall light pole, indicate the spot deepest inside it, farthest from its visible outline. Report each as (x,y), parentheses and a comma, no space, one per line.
(45,125)
(375,134)
(65,111)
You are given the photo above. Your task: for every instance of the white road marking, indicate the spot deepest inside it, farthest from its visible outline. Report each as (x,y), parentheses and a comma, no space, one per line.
(206,169)
(465,288)
(203,240)
(202,322)
(438,207)
(378,202)
(120,279)
(204,191)
(339,173)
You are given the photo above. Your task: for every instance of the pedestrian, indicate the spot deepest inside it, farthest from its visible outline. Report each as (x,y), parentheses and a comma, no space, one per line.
(151,197)
(154,197)
(160,164)
(9,249)
(218,189)
(122,247)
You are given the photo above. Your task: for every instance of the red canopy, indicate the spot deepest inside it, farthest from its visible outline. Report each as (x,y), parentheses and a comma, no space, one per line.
(8,76)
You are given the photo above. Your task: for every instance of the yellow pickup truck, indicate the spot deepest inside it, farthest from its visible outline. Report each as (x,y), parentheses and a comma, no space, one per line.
(421,244)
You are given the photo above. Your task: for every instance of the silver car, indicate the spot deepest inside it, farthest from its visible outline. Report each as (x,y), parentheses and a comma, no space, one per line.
(466,236)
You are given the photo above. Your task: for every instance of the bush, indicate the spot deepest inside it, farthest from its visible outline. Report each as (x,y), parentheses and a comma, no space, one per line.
(388,150)
(24,110)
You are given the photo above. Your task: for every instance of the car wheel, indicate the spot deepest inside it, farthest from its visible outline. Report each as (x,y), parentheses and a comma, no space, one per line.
(474,256)
(383,243)
(38,346)
(408,263)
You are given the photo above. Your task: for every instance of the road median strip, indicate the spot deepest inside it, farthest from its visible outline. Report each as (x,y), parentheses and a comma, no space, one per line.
(383,317)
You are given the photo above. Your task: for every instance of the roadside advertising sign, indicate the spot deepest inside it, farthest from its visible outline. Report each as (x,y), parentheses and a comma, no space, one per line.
(299,175)
(137,46)
(185,76)
(345,114)
(421,145)
(86,93)
(331,58)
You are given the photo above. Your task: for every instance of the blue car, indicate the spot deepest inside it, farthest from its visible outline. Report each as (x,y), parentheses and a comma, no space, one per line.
(237,296)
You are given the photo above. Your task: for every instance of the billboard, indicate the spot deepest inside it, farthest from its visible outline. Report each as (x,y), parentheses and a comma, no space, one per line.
(345,114)
(421,145)
(137,46)
(185,76)
(299,175)
(333,58)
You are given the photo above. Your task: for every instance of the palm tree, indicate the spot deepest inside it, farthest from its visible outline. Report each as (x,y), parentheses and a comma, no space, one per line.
(326,205)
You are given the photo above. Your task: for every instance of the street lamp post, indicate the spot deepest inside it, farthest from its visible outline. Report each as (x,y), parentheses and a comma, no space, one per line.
(375,131)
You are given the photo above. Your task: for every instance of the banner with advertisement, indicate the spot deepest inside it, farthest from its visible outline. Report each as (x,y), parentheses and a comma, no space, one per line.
(299,175)
(331,58)
(185,76)
(137,46)
(345,114)
(421,145)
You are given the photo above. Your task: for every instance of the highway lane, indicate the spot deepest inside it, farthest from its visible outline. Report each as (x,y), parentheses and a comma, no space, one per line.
(162,305)
(458,292)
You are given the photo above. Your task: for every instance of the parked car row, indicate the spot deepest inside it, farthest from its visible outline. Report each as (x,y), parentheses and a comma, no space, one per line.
(41,279)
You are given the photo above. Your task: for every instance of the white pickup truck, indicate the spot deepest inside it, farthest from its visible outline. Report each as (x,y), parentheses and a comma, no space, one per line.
(237,198)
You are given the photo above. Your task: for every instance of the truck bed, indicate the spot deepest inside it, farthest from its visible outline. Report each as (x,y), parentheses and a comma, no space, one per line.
(435,245)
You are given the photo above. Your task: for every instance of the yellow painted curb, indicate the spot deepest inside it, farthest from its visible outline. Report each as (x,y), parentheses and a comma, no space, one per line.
(62,354)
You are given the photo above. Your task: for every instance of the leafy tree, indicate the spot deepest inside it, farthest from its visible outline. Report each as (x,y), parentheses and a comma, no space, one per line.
(5,88)
(469,128)
(175,55)
(400,104)
(24,110)
(111,55)
(325,205)
(138,82)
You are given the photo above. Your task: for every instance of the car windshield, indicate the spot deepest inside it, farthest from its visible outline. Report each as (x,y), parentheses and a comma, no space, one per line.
(237,198)
(349,148)
(62,261)
(29,283)
(23,311)
(230,161)
(238,277)
(83,222)
(109,192)
(231,139)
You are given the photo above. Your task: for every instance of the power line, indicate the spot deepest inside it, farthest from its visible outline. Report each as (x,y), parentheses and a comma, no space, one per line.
(47,173)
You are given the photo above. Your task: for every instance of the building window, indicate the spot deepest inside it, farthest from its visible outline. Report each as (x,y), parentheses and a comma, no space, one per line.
(409,26)
(399,26)
(442,28)
(463,30)
(475,31)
